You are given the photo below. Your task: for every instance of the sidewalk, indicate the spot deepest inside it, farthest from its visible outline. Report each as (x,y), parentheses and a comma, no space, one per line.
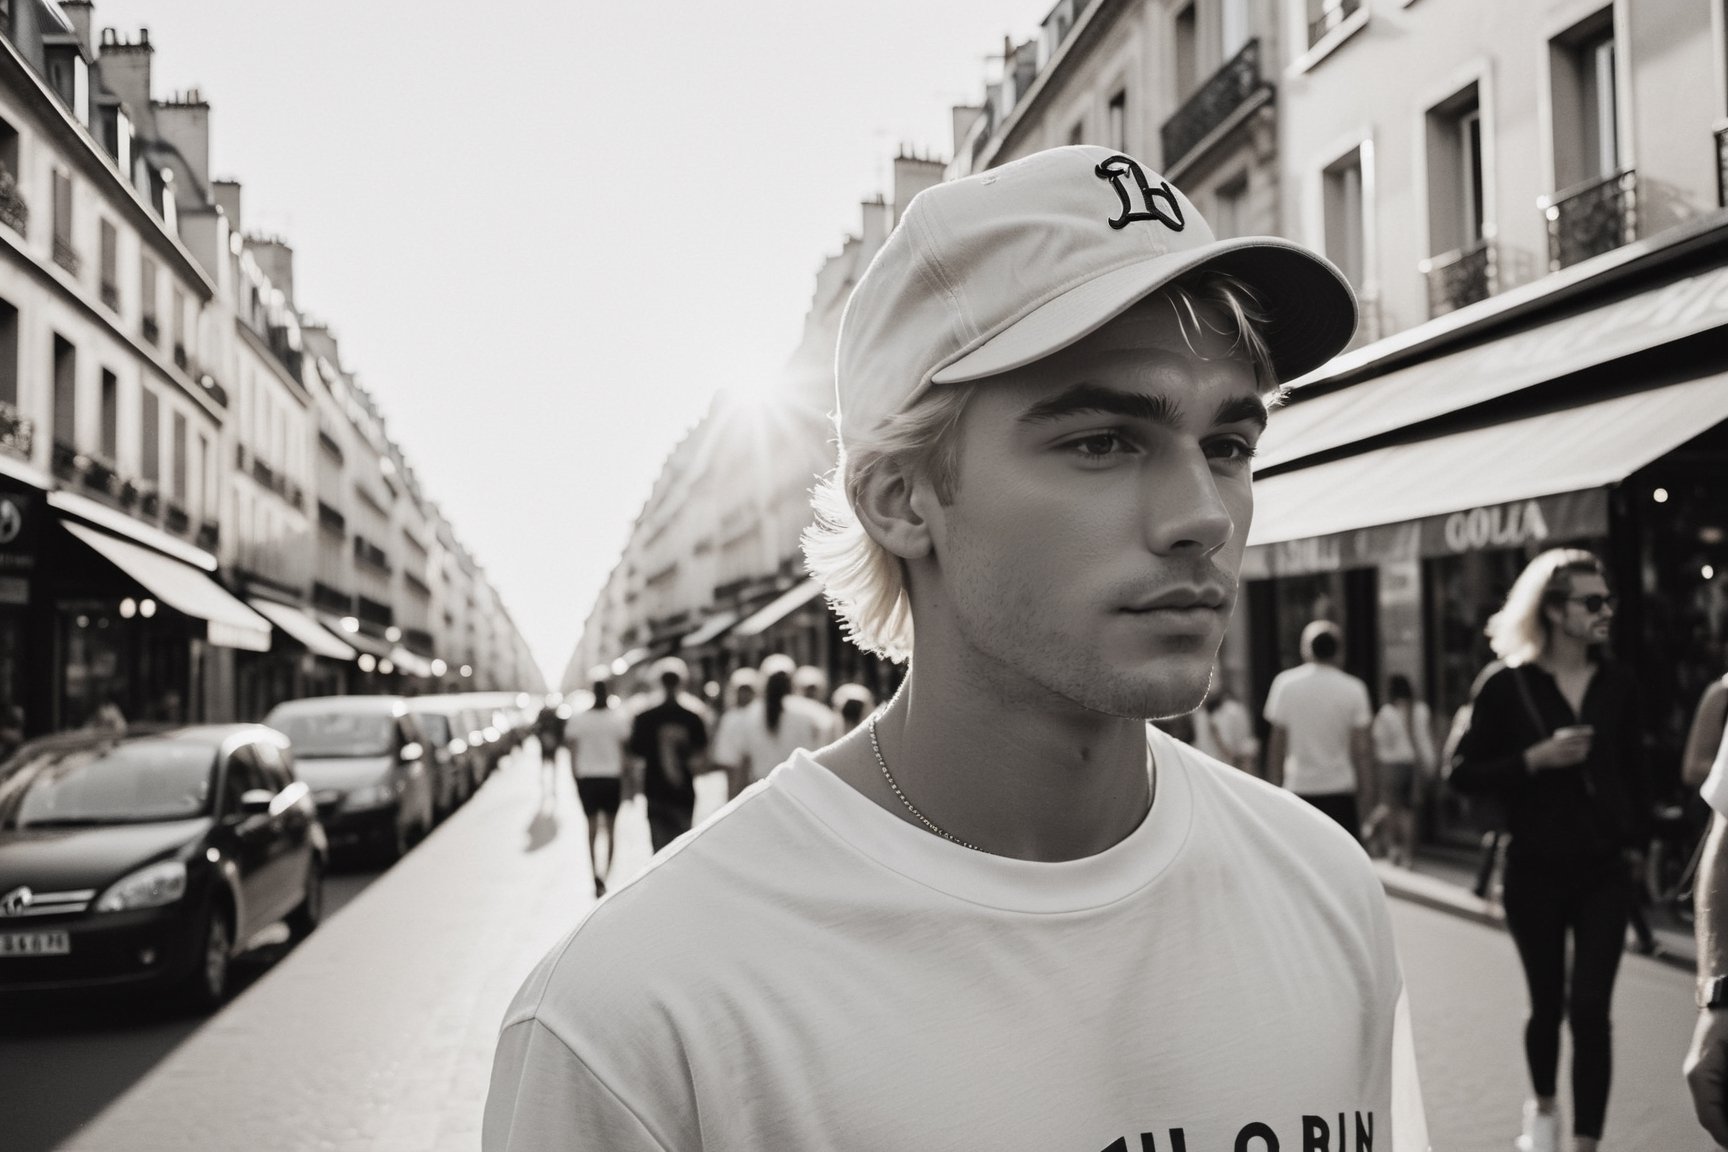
(1444,883)
(377,1032)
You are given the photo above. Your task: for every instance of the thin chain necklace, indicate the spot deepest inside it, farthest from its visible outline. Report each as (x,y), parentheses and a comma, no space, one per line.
(910,807)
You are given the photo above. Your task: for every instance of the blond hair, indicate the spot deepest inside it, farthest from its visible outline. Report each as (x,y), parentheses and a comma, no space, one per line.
(865,583)
(1518,632)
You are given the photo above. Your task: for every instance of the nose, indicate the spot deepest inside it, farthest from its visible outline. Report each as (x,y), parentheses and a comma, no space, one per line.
(1184,511)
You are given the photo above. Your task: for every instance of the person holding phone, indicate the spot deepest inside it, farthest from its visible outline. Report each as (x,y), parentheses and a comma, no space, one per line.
(1555,735)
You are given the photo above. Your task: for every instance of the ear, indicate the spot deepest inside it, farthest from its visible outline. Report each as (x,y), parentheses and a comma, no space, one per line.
(892,507)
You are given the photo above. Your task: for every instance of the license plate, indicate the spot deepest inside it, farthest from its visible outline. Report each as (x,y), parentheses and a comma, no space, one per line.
(35,943)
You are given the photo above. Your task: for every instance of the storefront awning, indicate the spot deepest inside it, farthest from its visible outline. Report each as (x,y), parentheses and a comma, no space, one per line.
(184,588)
(360,641)
(409,662)
(1463,379)
(715,627)
(1569,451)
(302,628)
(779,608)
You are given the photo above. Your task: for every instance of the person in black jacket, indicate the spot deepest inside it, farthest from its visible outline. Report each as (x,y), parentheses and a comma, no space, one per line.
(1555,735)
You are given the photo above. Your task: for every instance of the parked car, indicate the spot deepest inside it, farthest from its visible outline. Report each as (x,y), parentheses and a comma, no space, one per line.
(152,857)
(369,767)
(448,740)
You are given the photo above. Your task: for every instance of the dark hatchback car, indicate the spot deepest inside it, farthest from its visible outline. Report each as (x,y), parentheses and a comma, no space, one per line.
(151,857)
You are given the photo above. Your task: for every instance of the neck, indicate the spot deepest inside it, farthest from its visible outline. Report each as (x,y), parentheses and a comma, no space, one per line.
(1565,653)
(1035,778)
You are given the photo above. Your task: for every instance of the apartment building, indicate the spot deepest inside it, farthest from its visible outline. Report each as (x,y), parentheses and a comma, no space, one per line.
(160,425)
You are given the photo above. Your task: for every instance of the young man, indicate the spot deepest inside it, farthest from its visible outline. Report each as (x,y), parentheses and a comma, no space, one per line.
(1321,718)
(669,741)
(597,737)
(1005,913)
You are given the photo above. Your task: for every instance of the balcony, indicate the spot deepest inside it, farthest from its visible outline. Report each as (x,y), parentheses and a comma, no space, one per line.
(1229,89)
(209,535)
(101,478)
(66,256)
(152,330)
(1461,277)
(176,520)
(284,351)
(111,295)
(17,433)
(182,361)
(65,461)
(1331,16)
(1722,167)
(1591,218)
(331,520)
(14,211)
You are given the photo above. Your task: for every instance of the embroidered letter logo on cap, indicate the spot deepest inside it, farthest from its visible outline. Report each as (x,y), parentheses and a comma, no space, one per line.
(1114,169)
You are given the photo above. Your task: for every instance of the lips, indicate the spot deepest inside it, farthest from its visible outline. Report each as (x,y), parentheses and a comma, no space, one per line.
(1209,599)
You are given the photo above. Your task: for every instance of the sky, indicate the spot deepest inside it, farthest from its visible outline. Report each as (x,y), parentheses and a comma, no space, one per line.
(547,232)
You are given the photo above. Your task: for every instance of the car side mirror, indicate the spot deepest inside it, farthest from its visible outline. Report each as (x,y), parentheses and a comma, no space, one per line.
(254,801)
(411,752)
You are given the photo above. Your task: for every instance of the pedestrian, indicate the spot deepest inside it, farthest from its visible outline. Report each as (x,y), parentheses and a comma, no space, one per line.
(1403,737)
(1706,1065)
(1704,737)
(1223,729)
(597,737)
(1004,912)
(669,741)
(772,728)
(1555,734)
(811,683)
(1320,716)
(549,731)
(852,703)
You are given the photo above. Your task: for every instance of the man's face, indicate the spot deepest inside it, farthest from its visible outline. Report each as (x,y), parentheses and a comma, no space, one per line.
(1102,506)
(1577,620)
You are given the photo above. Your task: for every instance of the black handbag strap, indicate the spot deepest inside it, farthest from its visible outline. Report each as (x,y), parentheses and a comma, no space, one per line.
(1542,732)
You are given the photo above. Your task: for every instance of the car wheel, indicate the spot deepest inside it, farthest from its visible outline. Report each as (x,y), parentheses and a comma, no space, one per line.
(207,984)
(395,843)
(310,911)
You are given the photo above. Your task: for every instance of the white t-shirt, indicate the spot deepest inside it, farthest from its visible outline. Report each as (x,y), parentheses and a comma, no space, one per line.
(1319,706)
(1715,786)
(808,970)
(596,737)
(801,726)
(1392,736)
(1226,732)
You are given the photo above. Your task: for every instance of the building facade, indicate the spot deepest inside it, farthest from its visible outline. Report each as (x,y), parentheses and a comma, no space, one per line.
(162,428)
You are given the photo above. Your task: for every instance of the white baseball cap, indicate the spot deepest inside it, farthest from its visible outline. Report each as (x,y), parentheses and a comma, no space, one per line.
(992,272)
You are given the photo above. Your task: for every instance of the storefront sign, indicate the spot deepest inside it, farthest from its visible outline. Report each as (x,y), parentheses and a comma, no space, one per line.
(1521,523)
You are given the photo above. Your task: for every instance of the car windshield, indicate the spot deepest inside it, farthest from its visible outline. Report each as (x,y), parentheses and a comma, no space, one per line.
(137,781)
(436,726)
(328,734)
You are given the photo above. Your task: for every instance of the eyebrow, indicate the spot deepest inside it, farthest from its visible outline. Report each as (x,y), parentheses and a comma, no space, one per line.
(1153,408)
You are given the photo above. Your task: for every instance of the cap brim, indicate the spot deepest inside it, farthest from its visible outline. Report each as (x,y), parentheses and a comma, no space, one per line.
(1312,308)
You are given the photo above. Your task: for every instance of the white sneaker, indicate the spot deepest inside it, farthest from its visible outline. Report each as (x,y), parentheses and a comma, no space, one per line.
(1541,1130)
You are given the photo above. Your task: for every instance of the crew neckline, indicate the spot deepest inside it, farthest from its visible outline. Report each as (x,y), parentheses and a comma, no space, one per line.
(1004,882)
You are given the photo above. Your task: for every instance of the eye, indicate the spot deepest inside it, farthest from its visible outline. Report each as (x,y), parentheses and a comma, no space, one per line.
(1232,449)
(1099,446)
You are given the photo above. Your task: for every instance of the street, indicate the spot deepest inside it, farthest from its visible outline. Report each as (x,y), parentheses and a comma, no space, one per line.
(65,1065)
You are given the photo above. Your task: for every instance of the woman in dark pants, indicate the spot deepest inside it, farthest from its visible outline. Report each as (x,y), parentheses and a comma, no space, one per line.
(1555,735)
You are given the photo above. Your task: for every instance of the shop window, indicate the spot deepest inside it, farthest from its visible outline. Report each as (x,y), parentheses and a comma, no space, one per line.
(8,354)
(150,455)
(65,392)
(110,430)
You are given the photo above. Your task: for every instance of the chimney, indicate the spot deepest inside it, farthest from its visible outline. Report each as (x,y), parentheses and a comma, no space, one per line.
(912,174)
(276,260)
(964,116)
(183,121)
(875,227)
(80,13)
(226,193)
(124,66)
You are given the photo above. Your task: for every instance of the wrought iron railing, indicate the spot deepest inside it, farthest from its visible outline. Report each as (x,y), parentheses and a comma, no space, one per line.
(181,359)
(17,432)
(1722,166)
(66,256)
(176,519)
(1592,218)
(101,477)
(150,503)
(209,535)
(111,295)
(1329,19)
(1225,91)
(330,519)
(1462,277)
(65,461)
(14,209)
(151,329)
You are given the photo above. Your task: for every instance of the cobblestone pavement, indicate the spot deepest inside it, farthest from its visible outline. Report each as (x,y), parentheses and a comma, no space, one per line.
(1467,1008)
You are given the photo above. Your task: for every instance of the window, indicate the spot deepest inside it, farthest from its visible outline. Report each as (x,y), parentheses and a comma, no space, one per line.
(147,297)
(180,341)
(1186,41)
(1344,237)
(177,487)
(8,354)
(243,776)
(1582,68)
(207,473)
(1077,134)
(110,266)
(150,458)
(1456,205)
(1228,217)
(65,392)
(110,443)
(64,254)
(1116,121)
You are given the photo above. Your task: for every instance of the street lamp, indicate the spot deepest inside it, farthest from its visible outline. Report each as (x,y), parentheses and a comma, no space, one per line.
(128,608)
(147,608)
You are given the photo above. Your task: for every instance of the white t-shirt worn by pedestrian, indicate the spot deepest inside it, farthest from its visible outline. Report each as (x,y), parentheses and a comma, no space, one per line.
(801,726)
(1319,707)
(809,971)
(1399,742)
(1225,733)
(596,738)
(1715,786)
